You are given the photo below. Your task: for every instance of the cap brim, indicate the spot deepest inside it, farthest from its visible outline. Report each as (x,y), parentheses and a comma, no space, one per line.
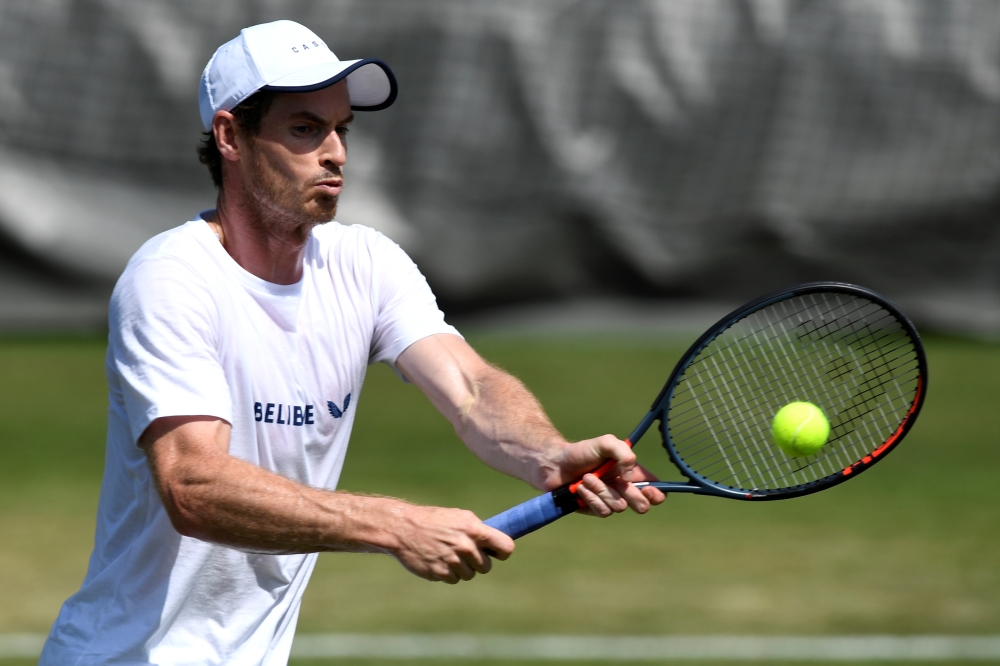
(370,83)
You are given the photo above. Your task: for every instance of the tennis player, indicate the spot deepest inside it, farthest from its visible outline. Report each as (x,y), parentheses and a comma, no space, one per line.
(237,351)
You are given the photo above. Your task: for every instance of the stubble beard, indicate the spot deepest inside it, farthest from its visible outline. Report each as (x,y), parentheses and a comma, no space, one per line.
(279,210)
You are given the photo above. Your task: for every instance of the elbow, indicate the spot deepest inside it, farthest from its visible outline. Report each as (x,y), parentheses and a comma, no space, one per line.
(185,527)
(182,509)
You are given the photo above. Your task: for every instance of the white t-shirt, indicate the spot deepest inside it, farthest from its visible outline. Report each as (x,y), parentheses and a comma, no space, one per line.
(194,333)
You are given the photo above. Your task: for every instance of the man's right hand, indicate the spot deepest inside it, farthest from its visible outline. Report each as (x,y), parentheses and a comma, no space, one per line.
(447,545)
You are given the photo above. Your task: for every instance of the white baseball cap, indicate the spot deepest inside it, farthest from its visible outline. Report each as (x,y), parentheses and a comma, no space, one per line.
(284,56)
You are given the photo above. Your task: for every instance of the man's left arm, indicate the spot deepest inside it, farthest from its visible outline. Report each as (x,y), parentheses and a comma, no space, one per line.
(505,426)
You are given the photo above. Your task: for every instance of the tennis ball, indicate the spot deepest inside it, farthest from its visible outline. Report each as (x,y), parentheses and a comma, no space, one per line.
(800,429)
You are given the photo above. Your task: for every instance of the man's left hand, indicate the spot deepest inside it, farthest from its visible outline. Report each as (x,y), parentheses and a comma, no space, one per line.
(613,492)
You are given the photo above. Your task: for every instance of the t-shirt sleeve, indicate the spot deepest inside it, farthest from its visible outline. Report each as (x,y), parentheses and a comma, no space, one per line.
(163,349)
(405,307)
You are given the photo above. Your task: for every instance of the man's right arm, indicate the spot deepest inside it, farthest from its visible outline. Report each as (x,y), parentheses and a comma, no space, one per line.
(213,496)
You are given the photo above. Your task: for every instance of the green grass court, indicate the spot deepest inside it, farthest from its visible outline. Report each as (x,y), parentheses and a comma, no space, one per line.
(462,662)
(910,547)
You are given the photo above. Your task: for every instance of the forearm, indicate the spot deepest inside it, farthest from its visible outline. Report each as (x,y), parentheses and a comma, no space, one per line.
(225,500)
(506,427)
(503,423)
(213,496)
(492,412)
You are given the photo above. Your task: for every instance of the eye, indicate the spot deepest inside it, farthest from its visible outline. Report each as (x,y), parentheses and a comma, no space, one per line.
(302,130)
(343,130)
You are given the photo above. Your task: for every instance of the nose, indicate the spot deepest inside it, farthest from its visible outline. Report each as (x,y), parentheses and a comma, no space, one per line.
(334,152)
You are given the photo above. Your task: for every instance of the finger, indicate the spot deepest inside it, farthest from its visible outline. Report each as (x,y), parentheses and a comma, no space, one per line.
(635,498)
(654,495)
(612,448)
(461,570)
(464,571)
(601,498)
(481,563)
(444,574)
(475,558)
(607,492)
(594,505)
(494,543)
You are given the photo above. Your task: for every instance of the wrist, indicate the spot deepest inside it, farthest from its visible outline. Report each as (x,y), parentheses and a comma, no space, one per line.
(549,468)
(370,523)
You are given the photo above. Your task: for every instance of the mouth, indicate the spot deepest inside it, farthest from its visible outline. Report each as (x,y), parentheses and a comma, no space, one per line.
(330,187)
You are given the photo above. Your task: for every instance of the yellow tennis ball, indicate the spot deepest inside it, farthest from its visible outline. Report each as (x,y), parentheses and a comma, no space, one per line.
(800,429)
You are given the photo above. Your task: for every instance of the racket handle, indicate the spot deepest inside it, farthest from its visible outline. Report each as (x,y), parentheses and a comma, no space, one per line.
(537,512)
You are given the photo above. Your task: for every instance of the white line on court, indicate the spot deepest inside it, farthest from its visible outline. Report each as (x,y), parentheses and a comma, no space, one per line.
(613,648)
(648,648)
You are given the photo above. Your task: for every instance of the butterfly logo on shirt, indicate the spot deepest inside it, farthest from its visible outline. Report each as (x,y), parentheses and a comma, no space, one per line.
(335,411)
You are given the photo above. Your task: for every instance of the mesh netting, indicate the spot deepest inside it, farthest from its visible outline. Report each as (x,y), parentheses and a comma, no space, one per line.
(844,353)
(664,147)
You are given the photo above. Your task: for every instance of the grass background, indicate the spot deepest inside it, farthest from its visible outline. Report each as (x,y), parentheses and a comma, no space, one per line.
(465,662)
(910,547)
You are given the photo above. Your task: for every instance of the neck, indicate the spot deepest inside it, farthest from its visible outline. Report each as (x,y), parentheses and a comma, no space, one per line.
(266,244)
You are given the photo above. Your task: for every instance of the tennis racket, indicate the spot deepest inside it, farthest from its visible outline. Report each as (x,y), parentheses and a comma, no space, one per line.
(841,347)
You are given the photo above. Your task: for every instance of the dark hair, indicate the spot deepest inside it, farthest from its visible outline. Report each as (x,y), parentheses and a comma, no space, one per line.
(248,114)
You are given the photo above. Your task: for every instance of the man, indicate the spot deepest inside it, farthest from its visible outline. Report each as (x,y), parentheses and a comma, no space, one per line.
(237,351)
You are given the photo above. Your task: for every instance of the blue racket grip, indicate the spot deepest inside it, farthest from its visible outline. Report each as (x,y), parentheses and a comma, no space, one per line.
(537,512)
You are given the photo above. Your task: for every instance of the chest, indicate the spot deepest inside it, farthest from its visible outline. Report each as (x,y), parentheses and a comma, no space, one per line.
(295,366)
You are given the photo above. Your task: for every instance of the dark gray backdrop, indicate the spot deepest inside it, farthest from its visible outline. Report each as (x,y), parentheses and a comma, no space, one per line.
(692,149)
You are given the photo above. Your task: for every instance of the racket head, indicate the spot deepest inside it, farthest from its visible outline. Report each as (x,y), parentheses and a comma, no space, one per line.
(842,347)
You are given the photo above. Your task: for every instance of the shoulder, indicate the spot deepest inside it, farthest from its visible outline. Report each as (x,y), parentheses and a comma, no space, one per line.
(358,250)
(338,237)
(181,245)
(171,266)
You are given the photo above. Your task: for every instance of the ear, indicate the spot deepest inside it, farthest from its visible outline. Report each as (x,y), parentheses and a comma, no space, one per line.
(225,130)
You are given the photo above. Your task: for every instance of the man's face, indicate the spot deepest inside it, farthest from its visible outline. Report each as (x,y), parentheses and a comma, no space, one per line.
(293,171)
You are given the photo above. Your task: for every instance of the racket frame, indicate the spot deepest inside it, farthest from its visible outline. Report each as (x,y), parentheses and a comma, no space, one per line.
(700,485)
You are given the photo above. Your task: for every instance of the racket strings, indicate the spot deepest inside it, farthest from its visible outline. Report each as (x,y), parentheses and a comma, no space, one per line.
(758,445)
(812,387)
(868,389)
(842,352)
(767,380)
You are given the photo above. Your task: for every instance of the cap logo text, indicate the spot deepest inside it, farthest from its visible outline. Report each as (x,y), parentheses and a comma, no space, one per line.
(305,47)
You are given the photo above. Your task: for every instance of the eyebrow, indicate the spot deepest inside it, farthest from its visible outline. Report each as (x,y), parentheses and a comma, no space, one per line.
(312,117)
